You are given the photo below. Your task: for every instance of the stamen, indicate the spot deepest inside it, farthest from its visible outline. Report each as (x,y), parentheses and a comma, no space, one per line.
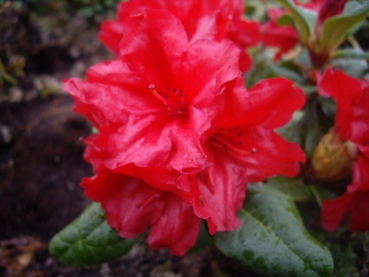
(225,145)
(85,141)
(147,198)
(164,99)
(172,106)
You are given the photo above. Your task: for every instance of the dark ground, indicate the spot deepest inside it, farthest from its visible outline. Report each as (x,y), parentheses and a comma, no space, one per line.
(41,161)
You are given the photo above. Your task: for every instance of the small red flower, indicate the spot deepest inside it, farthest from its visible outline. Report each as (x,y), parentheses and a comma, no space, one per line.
(213,19)
(282,37)
(352,123)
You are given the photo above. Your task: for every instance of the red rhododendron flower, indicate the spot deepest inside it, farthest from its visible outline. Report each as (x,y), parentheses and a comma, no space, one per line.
(153,104)
(282,37)
(179,135)
(201,19)
(352,123)
(241,147)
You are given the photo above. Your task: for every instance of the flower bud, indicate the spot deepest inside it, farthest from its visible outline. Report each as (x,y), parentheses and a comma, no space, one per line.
(333,158)
(328,9)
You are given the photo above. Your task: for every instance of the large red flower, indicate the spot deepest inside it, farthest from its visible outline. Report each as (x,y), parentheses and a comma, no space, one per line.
(153,105)
(179,136)
(213,19)
(241,147)
(352,123)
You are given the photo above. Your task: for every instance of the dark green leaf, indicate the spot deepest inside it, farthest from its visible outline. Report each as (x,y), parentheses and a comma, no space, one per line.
(294,188)
(351,54)
(285,20)
(89,240)
(321,193)
(336,28)
(353,67)
(272,240)
(204,240)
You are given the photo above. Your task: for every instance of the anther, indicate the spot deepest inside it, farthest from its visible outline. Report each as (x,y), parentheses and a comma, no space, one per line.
(85,141)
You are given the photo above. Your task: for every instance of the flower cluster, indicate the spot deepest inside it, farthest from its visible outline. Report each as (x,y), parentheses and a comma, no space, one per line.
(352,127)
(179,135)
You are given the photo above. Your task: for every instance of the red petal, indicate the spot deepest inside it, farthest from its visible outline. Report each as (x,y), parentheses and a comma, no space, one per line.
(110,34)
(273,155)
(221,191)
(359,213)
(283,37)
(119,196)
(274,100)
(333,211)
(153,47)
(177,228)
(345,91)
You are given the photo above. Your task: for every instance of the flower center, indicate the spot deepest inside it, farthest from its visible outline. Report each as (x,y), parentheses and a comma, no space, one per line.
(230,140)
(172,99)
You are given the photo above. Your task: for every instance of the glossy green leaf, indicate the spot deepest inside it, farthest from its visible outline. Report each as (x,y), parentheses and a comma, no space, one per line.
(336,28)
(272,240)
(356,54)
(353,67)
(294,188)
(303,18)
(89,240)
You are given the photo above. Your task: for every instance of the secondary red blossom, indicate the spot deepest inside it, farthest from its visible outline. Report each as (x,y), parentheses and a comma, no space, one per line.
(282,37)
(179,136)
(286,37)
(352,123)
(213,19)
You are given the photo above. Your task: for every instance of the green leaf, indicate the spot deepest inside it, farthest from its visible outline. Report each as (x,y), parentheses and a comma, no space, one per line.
(89,240)
(272,240)
(351,54)
(204,240)
(285,20)
(294,188)
(321,193)
(336,28)
(353,67)
(294,130)
(303,18)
